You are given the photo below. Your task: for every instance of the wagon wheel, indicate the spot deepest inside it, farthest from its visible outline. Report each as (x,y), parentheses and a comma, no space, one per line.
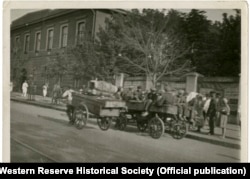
(104,123)
(121,121)
(156,127)
(81,116)
(179,130)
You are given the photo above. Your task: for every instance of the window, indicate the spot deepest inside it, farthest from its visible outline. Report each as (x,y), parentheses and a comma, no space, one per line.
(17,44)
(26,43)
(80,32)
(17,41)
(38,41)
(50,34)
(64,36)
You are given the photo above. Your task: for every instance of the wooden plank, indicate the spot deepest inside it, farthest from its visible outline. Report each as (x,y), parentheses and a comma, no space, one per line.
(99,107)
(140,106)
(109,112)
(102,102)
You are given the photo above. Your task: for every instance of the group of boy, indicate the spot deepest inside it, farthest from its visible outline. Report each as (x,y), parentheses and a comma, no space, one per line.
(213,107)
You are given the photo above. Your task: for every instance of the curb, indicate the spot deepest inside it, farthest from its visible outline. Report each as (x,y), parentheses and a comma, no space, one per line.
(39,104)
(189,135)
(212,141)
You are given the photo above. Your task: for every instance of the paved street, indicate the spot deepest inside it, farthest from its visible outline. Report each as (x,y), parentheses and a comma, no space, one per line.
(44,135)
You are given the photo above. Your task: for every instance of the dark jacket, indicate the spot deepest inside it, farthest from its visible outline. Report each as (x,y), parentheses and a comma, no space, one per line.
(152,96)
(212,107)
(167,98)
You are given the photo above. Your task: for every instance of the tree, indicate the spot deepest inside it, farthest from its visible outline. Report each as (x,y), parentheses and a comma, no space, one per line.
(215,45)
(90,63)
(146,43)
(230,45)
(18,70)
(57,67)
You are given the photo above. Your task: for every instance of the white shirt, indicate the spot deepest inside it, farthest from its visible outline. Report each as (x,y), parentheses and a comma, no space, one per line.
(206,105)
(69,94)
(45,87)
(25,85)
(190,96)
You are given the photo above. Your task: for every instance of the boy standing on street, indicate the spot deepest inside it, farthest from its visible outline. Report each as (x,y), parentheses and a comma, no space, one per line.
(70,108)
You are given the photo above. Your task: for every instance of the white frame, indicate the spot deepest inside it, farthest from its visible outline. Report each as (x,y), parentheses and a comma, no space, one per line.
(60,37)
(24,43)
(36,41)
(47,38)
(77,24)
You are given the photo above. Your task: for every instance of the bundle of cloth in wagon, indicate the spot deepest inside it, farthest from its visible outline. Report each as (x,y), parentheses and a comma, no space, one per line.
(155,111)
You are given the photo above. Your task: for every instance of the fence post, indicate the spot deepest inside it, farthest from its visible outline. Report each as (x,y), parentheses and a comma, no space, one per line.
(119,78)
(191,81)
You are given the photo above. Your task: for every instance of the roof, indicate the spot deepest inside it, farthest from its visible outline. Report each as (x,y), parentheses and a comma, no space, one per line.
(45,14)
(37,16)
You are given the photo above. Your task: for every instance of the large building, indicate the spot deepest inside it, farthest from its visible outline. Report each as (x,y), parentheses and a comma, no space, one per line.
(39,36)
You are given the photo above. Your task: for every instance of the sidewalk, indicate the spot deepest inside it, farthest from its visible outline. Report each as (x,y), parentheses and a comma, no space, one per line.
(39,101)
(233,134)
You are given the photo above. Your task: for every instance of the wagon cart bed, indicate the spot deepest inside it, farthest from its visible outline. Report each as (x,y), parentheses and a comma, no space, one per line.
(103,108)
(139,106)
(158,119)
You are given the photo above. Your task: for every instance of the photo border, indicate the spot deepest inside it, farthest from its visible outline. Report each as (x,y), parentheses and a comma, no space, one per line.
(7,6)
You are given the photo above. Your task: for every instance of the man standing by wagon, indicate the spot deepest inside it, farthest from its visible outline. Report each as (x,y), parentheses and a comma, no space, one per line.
(70,107)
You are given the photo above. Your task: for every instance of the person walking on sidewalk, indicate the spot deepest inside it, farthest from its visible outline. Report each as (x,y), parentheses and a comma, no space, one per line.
(25,88)
(45,89)
(224,112)
(211,113)
(56,93)
(205,108)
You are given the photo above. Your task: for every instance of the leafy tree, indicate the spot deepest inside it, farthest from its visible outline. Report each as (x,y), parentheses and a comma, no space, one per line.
(215,45)
(230,44)
(90,63)
(18,71)
(57,67)
(146,43)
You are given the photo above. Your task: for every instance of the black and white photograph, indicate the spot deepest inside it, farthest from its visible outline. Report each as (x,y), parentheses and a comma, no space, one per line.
(134,83)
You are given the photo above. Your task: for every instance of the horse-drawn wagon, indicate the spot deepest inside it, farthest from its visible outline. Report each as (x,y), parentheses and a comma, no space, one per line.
(104,109)
(98,101)
(159,119)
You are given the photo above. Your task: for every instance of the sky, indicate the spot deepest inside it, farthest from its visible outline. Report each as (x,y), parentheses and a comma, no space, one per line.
(212,14)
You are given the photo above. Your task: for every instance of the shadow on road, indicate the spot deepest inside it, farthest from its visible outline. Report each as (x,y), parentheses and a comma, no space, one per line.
(64,123)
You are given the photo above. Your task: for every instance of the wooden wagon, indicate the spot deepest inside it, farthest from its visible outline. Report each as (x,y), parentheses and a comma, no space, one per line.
(157,121)
(105,109)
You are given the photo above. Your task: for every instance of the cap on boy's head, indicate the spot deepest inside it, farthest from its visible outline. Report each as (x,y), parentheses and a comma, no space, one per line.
(167,88)
(212,93)
(225,100)
(218,94)
(153,89)
(181,92)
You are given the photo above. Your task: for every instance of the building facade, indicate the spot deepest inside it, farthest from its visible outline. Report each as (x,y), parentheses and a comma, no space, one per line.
(38,37)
